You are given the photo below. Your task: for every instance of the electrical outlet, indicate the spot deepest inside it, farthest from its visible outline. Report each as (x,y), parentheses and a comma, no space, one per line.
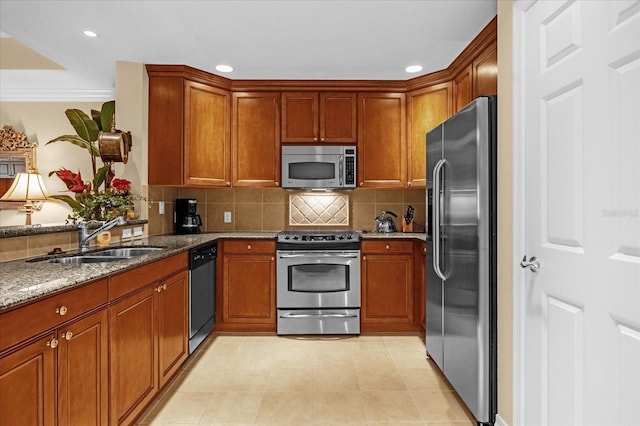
(137,231)
(227,217)
(161,207)
(126,233)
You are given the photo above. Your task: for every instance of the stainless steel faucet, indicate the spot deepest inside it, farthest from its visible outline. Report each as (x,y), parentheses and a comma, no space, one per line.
(84,238)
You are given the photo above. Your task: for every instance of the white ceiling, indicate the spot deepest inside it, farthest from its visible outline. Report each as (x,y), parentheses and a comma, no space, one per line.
(304,39)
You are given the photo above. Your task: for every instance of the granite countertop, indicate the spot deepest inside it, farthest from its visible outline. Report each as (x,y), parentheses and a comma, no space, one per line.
(22,281)
(25,230)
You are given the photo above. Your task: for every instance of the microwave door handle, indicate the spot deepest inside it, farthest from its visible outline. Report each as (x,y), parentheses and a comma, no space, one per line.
(341,169)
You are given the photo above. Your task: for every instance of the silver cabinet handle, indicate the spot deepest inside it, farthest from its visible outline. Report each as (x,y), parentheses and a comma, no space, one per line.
(533,263)
(436,219)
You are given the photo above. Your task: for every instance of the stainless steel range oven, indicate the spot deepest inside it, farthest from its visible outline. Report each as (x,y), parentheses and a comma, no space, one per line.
(318,282)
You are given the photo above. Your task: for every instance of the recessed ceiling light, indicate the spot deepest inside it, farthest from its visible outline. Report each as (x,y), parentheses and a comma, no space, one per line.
(413,68)
(90,33)
(224,68)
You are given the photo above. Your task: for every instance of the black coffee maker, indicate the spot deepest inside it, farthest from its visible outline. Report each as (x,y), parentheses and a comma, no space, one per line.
(186,219)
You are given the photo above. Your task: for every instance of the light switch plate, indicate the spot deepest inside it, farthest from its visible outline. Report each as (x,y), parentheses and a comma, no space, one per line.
(137,231)
(227,217)
(126,233)
(161,207)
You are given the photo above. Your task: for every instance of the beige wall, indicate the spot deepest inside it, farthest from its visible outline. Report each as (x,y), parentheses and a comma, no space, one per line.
(41,122)
(505,212)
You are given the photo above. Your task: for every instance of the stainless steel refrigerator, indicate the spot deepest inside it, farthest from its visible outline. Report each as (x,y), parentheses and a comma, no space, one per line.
(461,254)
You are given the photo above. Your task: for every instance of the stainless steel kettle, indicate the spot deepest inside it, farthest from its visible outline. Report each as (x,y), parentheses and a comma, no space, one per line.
(385,223)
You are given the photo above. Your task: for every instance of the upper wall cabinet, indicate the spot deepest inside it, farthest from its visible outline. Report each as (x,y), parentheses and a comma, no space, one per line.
(480,77)
(326,117)
(189,132)
(426,108)
(382,157)
(256,139)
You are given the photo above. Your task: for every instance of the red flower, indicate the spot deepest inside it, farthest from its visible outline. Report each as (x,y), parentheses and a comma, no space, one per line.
(121,184)
(73,181)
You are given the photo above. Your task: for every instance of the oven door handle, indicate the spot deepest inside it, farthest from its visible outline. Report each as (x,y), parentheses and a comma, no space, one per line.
(290,256)
(319,315)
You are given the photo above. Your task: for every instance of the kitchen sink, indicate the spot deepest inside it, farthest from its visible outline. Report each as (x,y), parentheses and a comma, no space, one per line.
(124,252)
(108,255)
(83,259)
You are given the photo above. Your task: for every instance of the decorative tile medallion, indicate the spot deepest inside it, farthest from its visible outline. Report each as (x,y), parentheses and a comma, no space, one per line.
(318,209)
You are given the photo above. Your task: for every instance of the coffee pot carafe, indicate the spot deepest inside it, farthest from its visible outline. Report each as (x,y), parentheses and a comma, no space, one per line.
(186,219)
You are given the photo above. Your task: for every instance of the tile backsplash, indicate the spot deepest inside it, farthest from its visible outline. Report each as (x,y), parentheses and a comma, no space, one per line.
(267,209)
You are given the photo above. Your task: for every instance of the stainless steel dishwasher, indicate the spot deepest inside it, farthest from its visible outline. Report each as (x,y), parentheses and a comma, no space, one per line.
(202,293)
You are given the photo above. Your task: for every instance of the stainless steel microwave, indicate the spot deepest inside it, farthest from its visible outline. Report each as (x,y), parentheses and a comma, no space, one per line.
(319,167)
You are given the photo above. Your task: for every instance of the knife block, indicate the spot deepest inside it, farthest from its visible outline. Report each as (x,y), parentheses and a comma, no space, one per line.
(407,227)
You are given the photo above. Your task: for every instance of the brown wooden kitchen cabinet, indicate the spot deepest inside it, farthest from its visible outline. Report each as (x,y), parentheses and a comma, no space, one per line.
(247,286)
(387,286)
(256,139)
(148,333)
(478,77)
(324,117)
(189,131)
(420,268)
(382,157)
(59,376)
(426,108)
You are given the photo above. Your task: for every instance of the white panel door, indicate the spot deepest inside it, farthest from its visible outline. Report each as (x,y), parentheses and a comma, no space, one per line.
(578,73)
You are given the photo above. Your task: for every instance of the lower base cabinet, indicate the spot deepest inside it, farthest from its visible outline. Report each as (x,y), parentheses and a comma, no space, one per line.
(388,294)
(67,368)
(248,286)
(149,343)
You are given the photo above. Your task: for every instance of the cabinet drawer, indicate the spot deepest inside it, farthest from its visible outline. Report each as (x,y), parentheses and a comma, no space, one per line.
(387,246)
(32,319)
(130,281)
(249,246)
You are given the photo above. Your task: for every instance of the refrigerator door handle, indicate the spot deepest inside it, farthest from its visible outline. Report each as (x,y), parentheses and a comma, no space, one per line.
(435,225)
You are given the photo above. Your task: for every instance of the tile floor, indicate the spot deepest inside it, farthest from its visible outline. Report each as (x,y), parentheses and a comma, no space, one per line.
(270,380)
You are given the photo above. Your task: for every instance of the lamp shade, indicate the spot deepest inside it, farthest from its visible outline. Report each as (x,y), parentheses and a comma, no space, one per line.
(26,187)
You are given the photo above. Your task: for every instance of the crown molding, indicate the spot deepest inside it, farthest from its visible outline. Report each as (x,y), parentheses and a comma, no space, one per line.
(56,95)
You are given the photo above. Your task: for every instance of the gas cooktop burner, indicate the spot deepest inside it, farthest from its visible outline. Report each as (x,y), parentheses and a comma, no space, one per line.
(318,237)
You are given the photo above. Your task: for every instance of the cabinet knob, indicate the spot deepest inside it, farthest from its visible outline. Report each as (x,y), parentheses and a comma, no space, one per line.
(361,183)
(53,343)
(315,139)
(159,288)
(277,183)
(248,246)
(62,310)
(273,258)
(386,246)
(68,335)
(164,286)
(321,139)
(228,183)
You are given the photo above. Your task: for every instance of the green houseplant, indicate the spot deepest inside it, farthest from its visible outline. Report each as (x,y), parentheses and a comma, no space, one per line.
(104,197)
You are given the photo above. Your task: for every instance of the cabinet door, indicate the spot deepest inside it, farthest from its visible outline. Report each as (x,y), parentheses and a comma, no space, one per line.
(83,371)
(387,292)
(462,88)
(419,283)
(381,140)
(173,322)
(338,117)
(165,157)
(299,117)
(249,291)
(133,361)
(427,108)
(256,139)
(27,385)
(207,135)
(485,72)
